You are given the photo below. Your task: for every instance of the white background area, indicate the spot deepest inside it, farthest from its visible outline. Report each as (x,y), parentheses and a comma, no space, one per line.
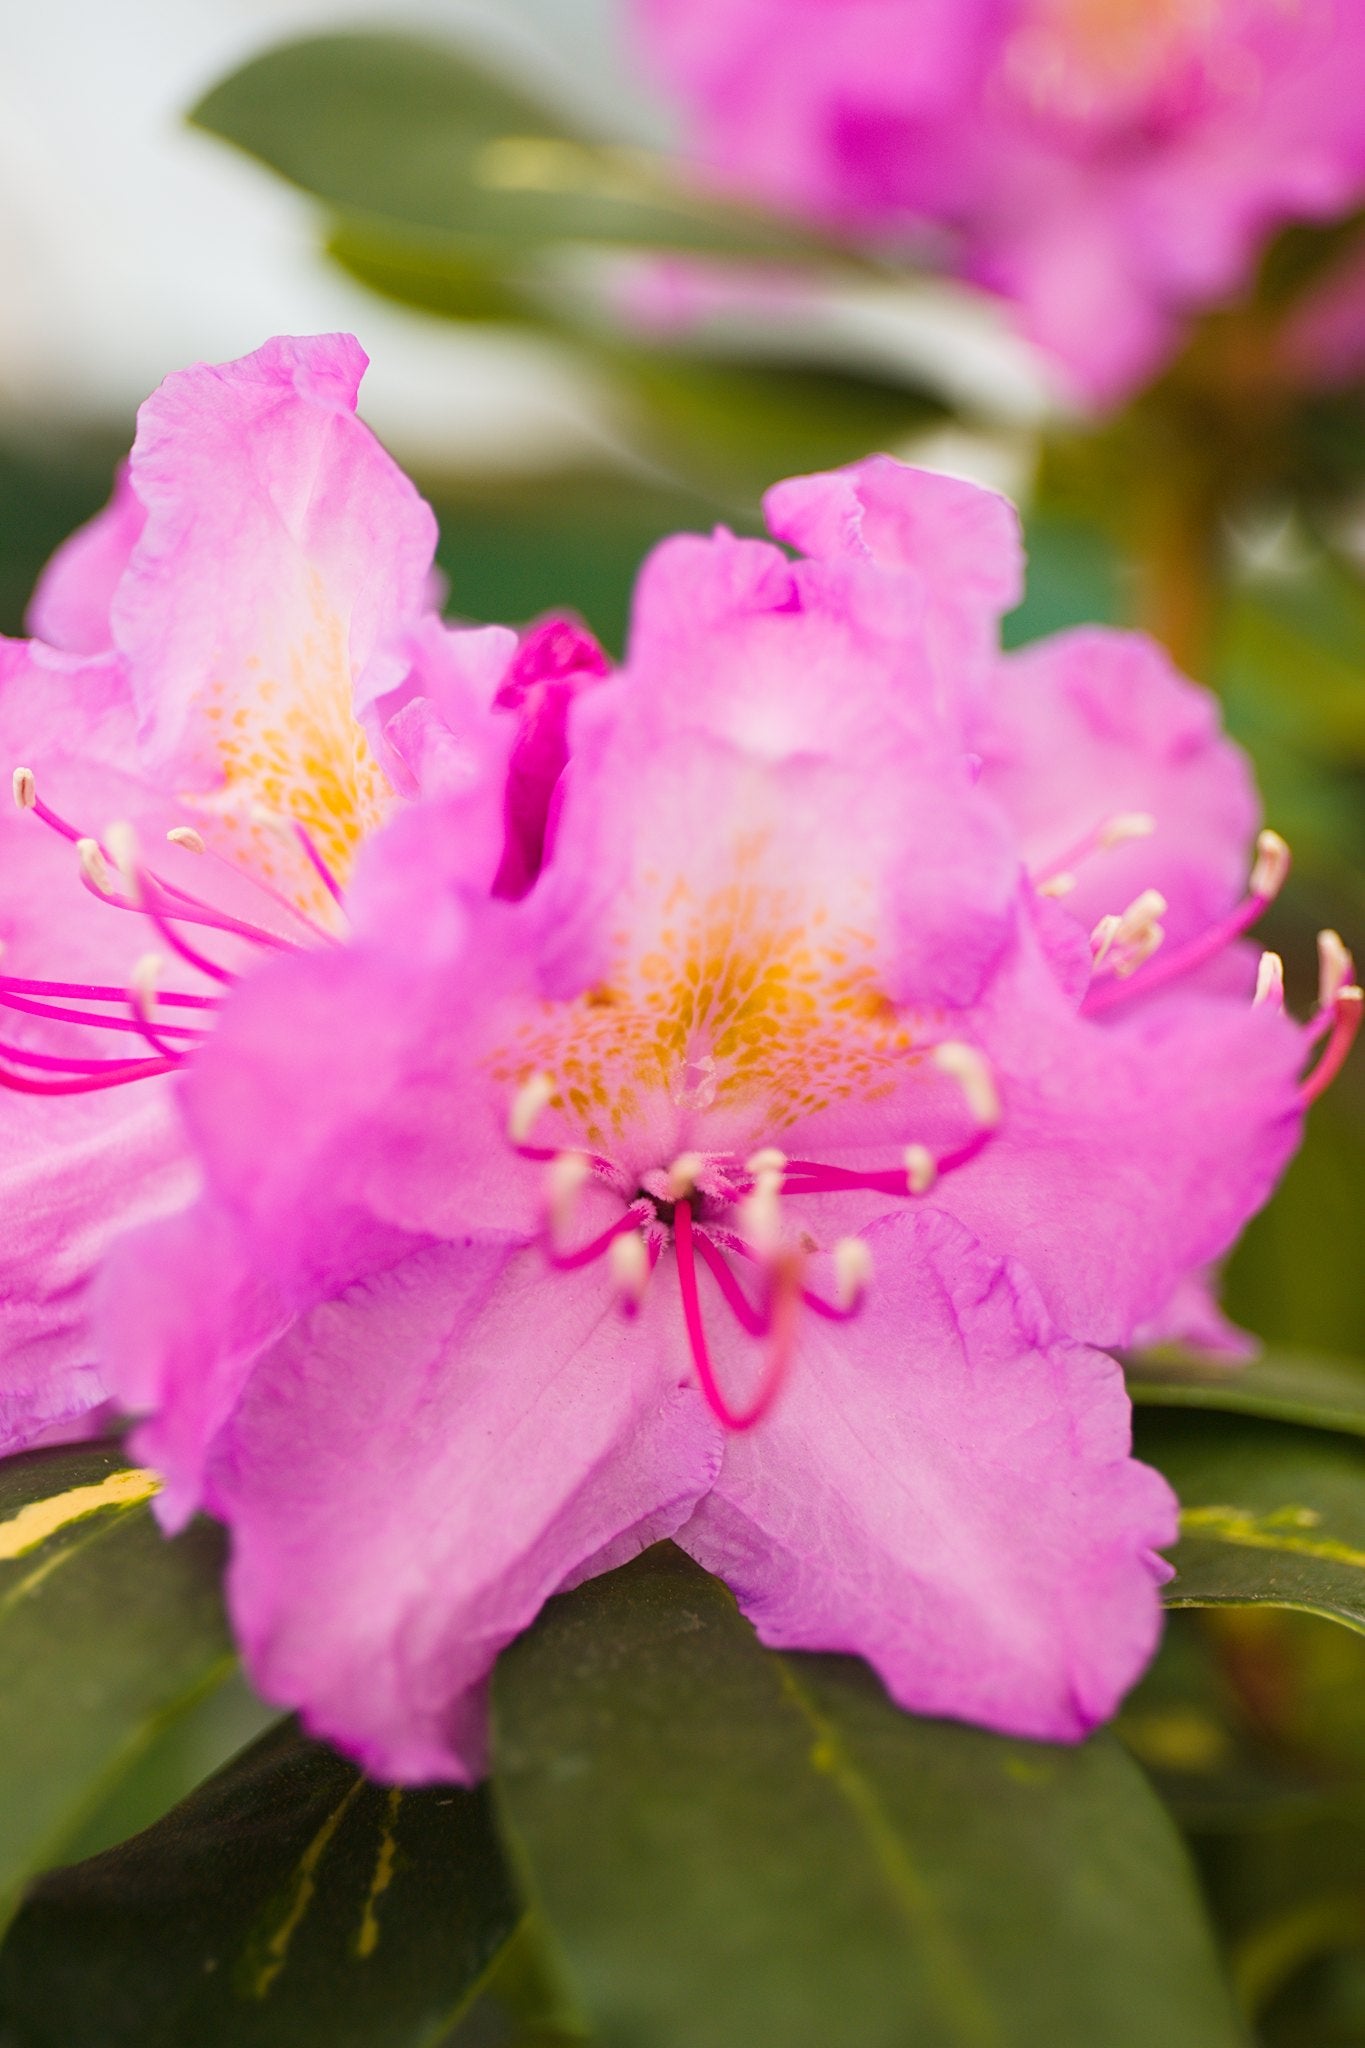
(131,245)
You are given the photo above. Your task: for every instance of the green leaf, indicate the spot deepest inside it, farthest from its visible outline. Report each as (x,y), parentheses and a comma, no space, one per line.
(513,546)
(288,1903)
(388,128)
(1269,1514)
(1210,1755)
(106,1631)
(1286,1386)
(730,426)
(424,271)
(732,1846)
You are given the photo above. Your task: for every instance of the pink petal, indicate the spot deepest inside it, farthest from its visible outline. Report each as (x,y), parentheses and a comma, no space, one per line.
(945,1488)
(1091,724)
(183,1312)
(962,542)
(257,476)
(74,1171)
(1129,1152)
(71,604)
(419,1465)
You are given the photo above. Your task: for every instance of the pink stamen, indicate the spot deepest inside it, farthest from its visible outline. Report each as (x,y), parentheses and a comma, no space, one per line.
(603,1169)
(116,1076)
(633,1219)
(316,932)
(830,1310)
(59,1015)
(1345,1025)
(96,992)
(783,1320)
(1114,831)
(1180,960)
(137,1004)
(55,821)
(813,1177)
(187,909)
(318,864)
(56,1063)
(754,1321)
(808,1177)
(188,953)
(1267,878)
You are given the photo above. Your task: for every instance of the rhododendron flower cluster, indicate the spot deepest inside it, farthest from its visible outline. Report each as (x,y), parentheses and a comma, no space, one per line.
(1109,165)
(730,1100)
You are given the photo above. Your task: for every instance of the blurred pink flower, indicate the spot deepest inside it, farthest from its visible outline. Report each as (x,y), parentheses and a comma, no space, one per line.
(236,664)
(762,1176)
(1109,165)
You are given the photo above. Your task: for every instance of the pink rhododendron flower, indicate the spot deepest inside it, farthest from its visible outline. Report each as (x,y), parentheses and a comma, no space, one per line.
(1109,165)
(236,675)
(763,1176)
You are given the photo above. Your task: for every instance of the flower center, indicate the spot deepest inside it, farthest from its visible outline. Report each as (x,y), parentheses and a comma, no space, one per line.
(724,1214)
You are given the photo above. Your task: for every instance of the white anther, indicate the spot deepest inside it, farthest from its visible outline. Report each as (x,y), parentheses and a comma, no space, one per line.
(143,979)
(921,1169)
(628,1260)
(767,1160)
(1270,981)
(972,1072)
(94,866)
(682,1175)
(760,1213)
(25,788)
(1272,865)
(564,1177)
(1057,885)
(1127,825)
(1102,938)
(1139,950)
(186,836)
(533,1097)
(1141,914)
(122,844)
(1137,933)
(852,1270)
(1335,968)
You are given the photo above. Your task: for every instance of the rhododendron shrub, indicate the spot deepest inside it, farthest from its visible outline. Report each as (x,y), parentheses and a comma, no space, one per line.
(733,1102)
(1108,167)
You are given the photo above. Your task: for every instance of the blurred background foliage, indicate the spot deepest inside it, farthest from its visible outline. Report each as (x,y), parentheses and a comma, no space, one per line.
(1224,510)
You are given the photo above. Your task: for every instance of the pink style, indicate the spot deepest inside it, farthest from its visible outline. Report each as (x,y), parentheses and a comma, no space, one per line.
(1110,166)
(237,673)
(731,1103)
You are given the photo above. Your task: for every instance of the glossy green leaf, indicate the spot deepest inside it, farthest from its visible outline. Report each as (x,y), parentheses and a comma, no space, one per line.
(388,128)
(288,1903)
(1286,1386)
(1268,1513)
(732,1846)
(106,1630)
